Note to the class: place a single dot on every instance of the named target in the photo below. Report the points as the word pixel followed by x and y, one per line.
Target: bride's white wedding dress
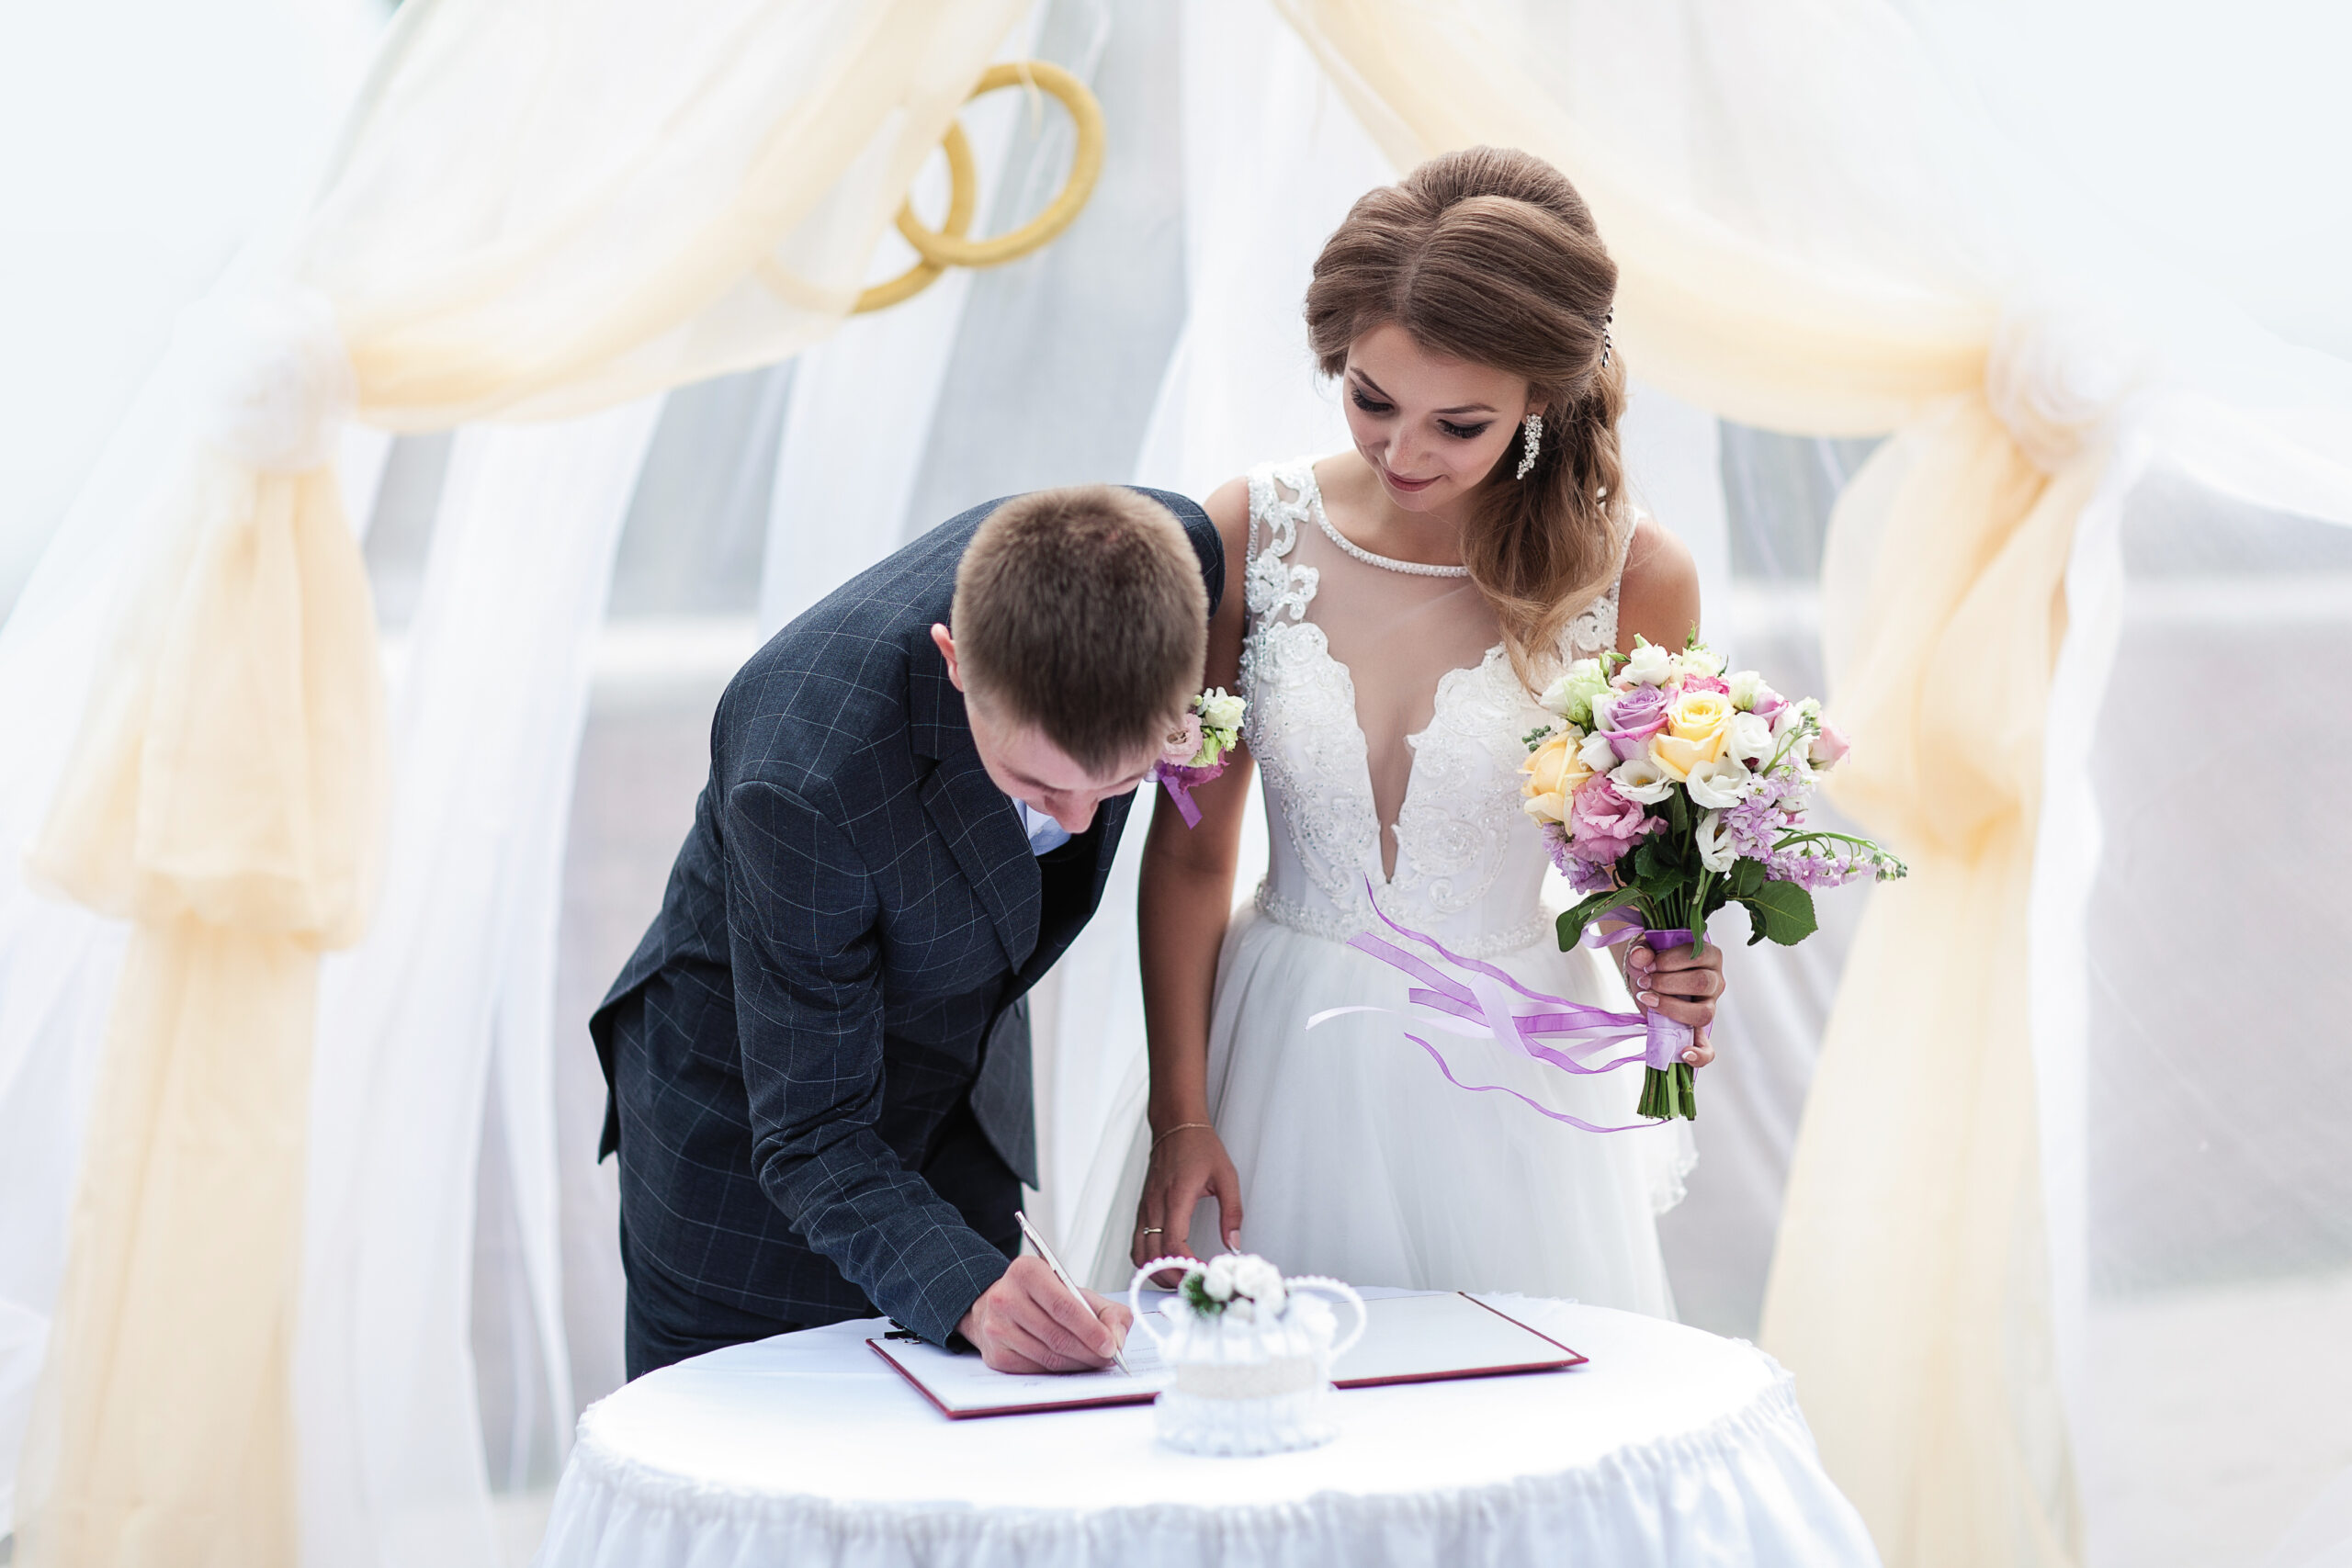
pixel 1386 716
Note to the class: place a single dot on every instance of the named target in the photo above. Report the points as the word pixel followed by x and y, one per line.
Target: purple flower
pixel 1588 878
pixel 1767 702
pixel 1584 875
pixel 1824 863
pixel 1753 825
pixel 1634 717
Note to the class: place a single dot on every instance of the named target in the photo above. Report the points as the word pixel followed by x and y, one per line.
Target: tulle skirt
pixel 1358 1159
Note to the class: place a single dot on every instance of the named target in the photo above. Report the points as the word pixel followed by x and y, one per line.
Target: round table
pixel 1669 1446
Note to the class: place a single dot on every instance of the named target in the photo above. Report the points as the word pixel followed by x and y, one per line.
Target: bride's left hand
pixel 1683 985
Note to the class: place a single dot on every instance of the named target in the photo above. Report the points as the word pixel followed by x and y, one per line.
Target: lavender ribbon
pixel 1474 999
pixel 1180 781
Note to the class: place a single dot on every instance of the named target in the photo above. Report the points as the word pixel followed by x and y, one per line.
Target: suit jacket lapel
pixel 970 812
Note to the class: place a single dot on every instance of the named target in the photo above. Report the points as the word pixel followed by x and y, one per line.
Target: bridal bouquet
pixel 1196 748
pixel 1667 790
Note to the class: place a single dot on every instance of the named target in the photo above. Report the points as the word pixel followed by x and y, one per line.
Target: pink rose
pixel 1767 702
pixel 1183 742
pixel 1634 717
pixel 1603 824
pixel 1830 746
pixel 1705 684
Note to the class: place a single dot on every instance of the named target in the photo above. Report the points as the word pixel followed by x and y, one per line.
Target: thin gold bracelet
pixel 1184 1127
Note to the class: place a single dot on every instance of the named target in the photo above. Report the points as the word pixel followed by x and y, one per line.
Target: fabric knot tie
pixel 274 384
pixel 2059 376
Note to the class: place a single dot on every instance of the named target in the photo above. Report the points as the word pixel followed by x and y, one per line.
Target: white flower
pixel 1239 1310
pixel 1720 783
pixel 1649 665
pixel 1751 737
pixel 1220 709
pixel 1700 661
pixel 1253 1276
pixel 1640 779
pixel 1596 753
pixel 1805 715
pixel 1603 703
pixel 1216 1282
pixel 1571 696
pixel 1744 684
pixel 1262 1282
pixel 1714 843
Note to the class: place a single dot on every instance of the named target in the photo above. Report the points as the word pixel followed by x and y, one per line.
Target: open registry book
pixel 1410 1336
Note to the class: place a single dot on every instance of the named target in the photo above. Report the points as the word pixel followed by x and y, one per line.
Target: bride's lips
pixel 1403 486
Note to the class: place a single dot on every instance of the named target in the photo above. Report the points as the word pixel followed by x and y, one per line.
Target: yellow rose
pixel 1554 772
pixel 1696 728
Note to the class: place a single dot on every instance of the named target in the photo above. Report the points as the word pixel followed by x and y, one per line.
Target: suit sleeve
pixel 808 975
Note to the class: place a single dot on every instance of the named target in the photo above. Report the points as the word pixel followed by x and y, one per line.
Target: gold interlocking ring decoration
pixel 950 244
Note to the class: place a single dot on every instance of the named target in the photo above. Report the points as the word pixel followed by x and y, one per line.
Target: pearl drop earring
pixel 1533 434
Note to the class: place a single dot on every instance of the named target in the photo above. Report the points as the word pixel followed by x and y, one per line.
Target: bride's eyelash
pixel 1372 405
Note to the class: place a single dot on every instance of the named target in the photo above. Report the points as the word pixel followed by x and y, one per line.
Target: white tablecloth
pixel 1670 1446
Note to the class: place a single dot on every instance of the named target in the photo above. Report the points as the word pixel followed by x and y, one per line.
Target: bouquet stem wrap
pixel 1668 1081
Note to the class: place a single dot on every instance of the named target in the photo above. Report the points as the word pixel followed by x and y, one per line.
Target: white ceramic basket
pixel 1256 1387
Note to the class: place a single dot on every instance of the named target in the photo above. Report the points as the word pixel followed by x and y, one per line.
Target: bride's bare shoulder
pixel 1658 598
pixel 1228 510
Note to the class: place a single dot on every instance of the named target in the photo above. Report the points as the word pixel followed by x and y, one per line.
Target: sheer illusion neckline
pixel 1389 837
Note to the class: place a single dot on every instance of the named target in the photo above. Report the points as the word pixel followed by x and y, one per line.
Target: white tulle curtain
pixel 455 985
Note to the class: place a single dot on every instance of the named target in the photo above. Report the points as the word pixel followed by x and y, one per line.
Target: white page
pixel 1412 1337
pixel 1407 1337
pixel 963 1383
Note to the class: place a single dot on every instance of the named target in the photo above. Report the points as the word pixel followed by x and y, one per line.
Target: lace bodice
pixel 1468 862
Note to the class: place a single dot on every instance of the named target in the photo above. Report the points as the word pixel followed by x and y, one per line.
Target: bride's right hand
pixel 1188 1163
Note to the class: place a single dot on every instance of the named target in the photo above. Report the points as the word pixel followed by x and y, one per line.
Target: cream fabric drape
pixel 1814 238
pixel 1718 314
pixel 537 209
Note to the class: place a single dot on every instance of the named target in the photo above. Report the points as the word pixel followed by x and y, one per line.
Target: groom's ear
pixel 941 640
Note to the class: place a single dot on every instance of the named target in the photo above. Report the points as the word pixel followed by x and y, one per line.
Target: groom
pixel 819 1055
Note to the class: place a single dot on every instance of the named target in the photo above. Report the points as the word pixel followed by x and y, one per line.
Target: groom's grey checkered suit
pixel 809 1126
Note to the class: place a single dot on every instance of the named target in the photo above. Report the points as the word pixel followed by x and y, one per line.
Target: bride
pixel 1402 601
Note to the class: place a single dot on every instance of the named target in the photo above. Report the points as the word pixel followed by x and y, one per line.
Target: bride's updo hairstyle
pixel 1489 255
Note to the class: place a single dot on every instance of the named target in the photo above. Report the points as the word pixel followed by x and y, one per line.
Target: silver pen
pixel 1063 1275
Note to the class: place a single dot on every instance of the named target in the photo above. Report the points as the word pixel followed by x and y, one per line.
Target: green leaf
pixel 1783 912
pixel 1746 876
pixel 1588 910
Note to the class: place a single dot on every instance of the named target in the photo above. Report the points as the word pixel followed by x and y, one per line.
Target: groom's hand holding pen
pixel 1030 1322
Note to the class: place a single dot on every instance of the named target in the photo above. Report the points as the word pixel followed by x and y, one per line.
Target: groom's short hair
pixel 1080 610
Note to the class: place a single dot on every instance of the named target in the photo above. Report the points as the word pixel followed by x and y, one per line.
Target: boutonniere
pixel 1197 748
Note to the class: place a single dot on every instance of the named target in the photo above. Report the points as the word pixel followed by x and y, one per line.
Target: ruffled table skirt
pixel 1670 1446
